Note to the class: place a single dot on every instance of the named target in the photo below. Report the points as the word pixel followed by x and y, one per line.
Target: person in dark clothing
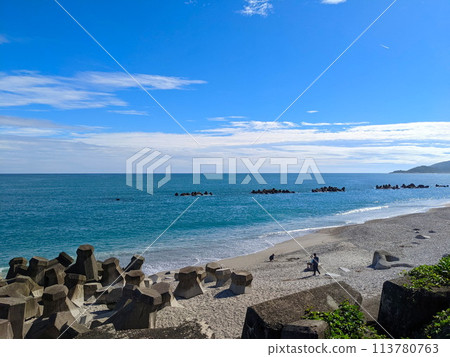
pixel 315 264
pixel 271 258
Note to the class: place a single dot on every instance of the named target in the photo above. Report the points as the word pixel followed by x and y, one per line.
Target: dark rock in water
pixel 397 187
pixel 328 189
pixel 270 192
pixel 404 310
pixel 267 319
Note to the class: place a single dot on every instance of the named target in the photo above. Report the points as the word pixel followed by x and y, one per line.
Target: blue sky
pixel 225 70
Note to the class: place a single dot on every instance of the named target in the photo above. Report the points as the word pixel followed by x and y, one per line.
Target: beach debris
pixel 270 192
pixel 241 282
pixel 13 310
pixel 190 282
pixel 138 311
pixel 16 266
pixel 211 269
pixel 85 264
pixel 112 272
pixel 421 236
pixel 267 319
pixel 55 299
pixel 431 231
pixel 223 277
pixel 345 270
pixel 135 277
pixel 136 263
pixel 75 284
pixel 6 331
pixel 328 189
pixel 309 329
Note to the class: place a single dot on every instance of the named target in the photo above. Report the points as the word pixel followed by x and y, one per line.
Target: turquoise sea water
pixel 45 214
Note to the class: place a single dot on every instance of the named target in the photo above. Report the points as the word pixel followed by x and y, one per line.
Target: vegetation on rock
pixel 430 276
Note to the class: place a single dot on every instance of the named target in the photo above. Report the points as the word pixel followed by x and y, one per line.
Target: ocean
pixel 42 215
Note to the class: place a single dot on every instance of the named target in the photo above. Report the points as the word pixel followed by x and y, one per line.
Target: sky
pixel 86 84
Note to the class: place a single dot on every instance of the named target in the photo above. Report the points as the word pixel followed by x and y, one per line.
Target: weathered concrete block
pixel 305 329
pixel 14 265
pixel 85 264
pixel 75 284
pixel 241 282
pixel 404 310
pixel 136 263
pixel 112 272
pixel 36 269
pixel 168 299
pixel 90 290
pixel 189 283
pixel 54 275
pixel 64 259
pixel 58 325
pixel 211 269
pixel 267 319
pixel 139 313
pixel 113 297
pixel 13 310
pixel 55 300
pixel 135 277
pixel 6 331
pixel 32 307
pixel 223 277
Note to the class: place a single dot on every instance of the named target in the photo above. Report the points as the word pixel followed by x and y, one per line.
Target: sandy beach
pixel 350 247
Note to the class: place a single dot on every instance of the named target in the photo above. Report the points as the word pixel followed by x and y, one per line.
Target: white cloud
pixel 257 7
pixel 333 2
pixel 129 112
pixel 32 146
pixel 3 39
pixel 226 118
pixel 334 124
pixel 84 90
pixel 312 111
pixel 384 46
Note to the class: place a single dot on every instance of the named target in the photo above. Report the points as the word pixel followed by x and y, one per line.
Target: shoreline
pixel 309 240
pixel 344 251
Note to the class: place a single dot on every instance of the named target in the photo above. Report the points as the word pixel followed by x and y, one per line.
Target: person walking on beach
pixel 272 257
pixel 315 264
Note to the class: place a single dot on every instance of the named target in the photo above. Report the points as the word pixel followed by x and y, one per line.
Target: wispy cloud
pixel 226 118
pixel 312 111
pixel 384 46
pixel 335 124
pixel 3 39
pixel 83 90
pixel 43 146
pixel 129 112
pixel 333 2
pixel 257 7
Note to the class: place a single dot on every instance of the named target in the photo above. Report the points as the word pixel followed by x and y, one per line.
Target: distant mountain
pixel 439 168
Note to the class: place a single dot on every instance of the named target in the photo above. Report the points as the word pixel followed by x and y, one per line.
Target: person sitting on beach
pixel 315 264
pixel 272 257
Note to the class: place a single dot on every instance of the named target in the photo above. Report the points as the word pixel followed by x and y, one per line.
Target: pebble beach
pixel 345 253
